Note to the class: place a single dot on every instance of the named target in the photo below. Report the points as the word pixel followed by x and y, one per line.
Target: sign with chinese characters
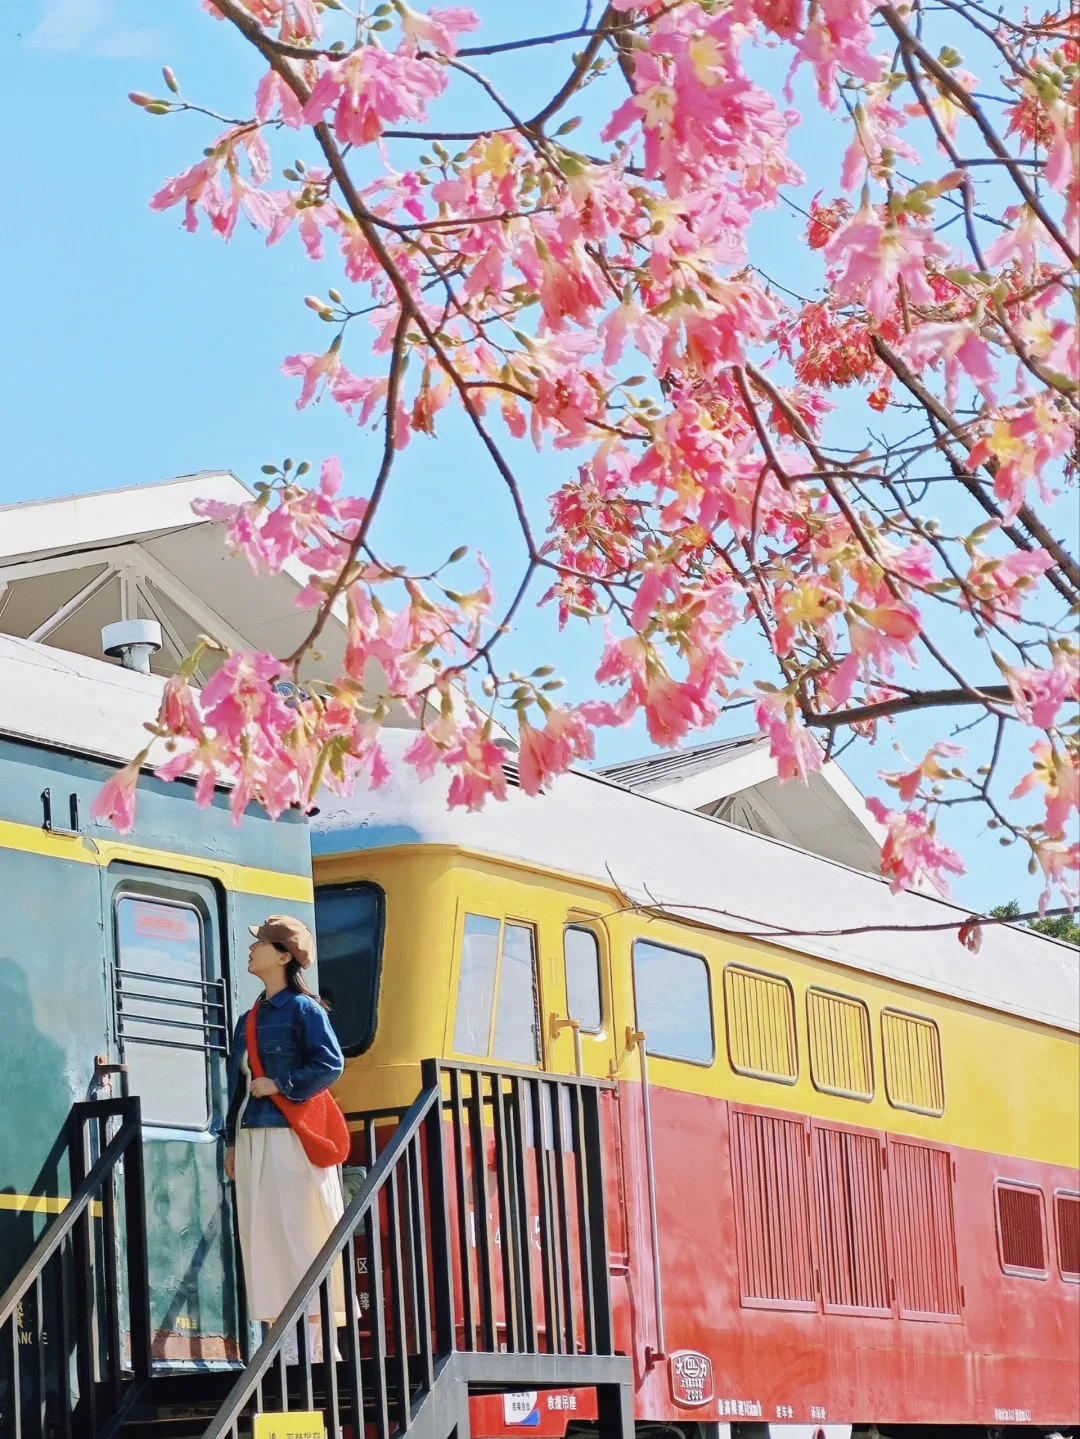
pixel 303 1424
pixel 520 1409
pixel 691 1378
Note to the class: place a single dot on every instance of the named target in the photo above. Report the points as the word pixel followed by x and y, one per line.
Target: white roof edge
pixel 68 701
pixel 74 523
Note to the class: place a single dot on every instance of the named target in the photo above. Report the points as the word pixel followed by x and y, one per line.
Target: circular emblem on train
pixel 691 1378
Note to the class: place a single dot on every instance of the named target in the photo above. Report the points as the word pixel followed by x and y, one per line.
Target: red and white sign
pixel 691 1378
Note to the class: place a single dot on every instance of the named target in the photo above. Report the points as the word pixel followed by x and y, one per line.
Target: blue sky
pixel 135 352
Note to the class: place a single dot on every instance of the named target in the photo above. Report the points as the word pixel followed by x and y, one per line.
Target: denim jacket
pixel 298 1050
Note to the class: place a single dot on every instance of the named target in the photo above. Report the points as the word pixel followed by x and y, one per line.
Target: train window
pixel 673 1002
pixel 840 1057
pixel 913 1073
pixel 163 1003
pixel 349 932
pixel 924 1232
pixel 516 1028
pixel 1020 1229
pixel 1067 1223
pixel 760 1013
pixel 851 1220
pixel 497 979
pixel 581 957
pixel 776 1267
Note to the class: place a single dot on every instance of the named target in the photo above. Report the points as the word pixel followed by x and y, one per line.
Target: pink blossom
pixel 960 349
pixel 179 712
pixel 1001 583
pixel 912 848
pixel 544 754
pixel 370 88
pixel 478 765
pixel 908 785
pixel 796 752
pixel 318 372
pixel 1056 769
pixel 438 29
pixel 273 92
pixel 876 257
pixel 115 801
pixel 1039 693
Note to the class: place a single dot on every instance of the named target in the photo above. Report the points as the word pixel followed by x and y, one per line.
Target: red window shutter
pixel 927 1285
pixel 1067 1218
pixel 851 1220
pixel 1020 1229
pixel 773 1211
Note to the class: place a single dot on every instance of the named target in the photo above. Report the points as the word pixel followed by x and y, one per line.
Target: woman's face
pixel 264 958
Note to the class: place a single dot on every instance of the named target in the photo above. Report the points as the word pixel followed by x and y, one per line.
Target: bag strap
pixel 253 1044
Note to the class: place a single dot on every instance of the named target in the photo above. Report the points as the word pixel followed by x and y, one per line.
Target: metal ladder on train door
pixel 468 1289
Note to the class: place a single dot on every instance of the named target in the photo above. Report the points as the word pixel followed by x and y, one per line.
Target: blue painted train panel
pixel 60 941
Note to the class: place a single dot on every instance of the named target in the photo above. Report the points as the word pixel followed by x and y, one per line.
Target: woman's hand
pixel 263 1086
pixel 230 1163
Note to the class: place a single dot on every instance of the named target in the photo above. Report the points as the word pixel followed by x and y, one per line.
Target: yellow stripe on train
pixel 82 849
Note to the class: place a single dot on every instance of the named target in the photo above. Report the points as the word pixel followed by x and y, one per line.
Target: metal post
pixel 639 1038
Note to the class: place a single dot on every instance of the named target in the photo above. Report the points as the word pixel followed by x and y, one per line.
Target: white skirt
pixel 286 1208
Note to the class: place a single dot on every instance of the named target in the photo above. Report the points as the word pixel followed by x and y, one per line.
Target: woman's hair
pixel 294 977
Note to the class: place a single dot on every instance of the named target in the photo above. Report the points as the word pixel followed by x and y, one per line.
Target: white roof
pixel 70 565
pixel 736 780
pixel 688 862
pixel 74 703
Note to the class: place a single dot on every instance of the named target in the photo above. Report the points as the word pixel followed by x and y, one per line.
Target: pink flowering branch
pixel 605 299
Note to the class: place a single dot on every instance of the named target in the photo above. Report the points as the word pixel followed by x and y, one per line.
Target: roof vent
pixel 132 642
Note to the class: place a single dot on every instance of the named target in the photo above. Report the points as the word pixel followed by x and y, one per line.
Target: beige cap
pixel 292 934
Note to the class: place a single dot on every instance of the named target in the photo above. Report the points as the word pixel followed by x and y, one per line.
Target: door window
pixel 581 957
pixel 497 1013
pixel 170 1017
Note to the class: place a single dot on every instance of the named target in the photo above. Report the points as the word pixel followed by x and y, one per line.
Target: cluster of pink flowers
pixel 537 275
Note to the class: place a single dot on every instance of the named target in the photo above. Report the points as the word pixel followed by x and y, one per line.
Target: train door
pixel 168 986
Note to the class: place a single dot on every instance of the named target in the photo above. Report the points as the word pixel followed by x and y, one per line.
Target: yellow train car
pixel 843 1169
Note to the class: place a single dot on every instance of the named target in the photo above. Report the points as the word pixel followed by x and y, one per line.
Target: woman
pixel 286 1207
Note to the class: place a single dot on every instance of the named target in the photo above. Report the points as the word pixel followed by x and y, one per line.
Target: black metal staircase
pixel 75 1321
pixel 473 1259
pixel 466 1288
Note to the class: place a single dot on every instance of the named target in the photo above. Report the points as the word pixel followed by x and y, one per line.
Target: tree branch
pixel 925 699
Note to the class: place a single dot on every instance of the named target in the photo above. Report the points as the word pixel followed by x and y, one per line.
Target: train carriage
pixel 842 1168
pixel 117 972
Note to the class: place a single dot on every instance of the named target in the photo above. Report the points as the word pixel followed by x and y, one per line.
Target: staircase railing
pixel 474 1252
pixel 399 1341
pixel 75 1321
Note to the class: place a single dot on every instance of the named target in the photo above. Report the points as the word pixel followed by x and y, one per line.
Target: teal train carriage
pixel 122 969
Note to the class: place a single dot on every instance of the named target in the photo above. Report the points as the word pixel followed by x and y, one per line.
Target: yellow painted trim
pixel 42 1204
pixel 81 849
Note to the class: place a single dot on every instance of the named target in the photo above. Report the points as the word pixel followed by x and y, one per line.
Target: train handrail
pixel 421 1208
pixel 293 1320
pixel 67 1258
pixel 639 1038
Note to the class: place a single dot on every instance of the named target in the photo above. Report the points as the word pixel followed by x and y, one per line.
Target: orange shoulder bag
pixel 317 1122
